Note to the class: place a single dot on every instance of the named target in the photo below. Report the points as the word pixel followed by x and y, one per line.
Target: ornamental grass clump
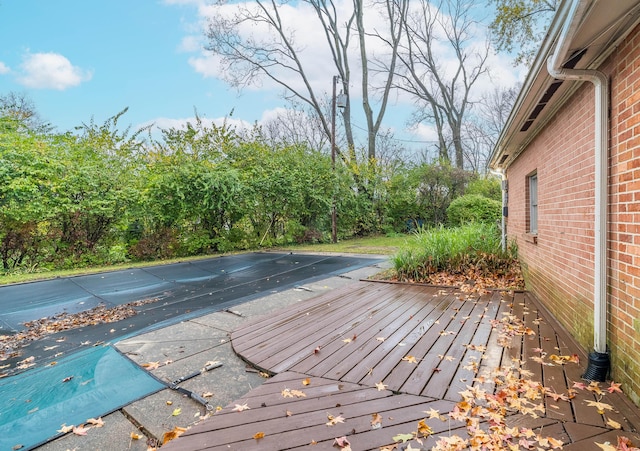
pixel 464 254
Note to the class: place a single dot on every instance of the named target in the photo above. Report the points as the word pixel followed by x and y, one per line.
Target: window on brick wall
pixel 532 195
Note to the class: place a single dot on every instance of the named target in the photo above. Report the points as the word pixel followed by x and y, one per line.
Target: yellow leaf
pixel 606 446
pixel 424 429
pixel 601 406
pixel 613 424
pixel 135 436
pixel 258 435
pixel 307 381
pixel 177 411
pixel 207 395
pixel 410 359
pixel 334 420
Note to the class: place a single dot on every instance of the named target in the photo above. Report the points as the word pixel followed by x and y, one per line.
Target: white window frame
pixel 532 181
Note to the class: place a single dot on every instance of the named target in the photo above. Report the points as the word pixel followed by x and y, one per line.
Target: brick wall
pixel 559 266
pixel 624 234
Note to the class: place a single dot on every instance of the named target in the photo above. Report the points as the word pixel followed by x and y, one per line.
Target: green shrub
pixel 473 208
pixel 487 187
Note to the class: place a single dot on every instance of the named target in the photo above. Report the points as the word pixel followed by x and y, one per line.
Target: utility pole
pixel 334 219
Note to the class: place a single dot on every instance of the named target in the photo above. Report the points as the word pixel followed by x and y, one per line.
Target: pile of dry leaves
pixel 11 345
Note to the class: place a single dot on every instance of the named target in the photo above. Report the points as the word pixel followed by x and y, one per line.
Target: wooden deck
pixel 370 361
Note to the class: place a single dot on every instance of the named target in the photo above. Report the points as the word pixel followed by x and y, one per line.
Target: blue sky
pixel 82 58
pixel 78 59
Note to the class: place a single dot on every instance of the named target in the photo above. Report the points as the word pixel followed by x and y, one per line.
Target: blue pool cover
pixel 35 404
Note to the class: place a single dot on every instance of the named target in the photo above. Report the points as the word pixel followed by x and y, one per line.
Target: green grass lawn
pixel 380 245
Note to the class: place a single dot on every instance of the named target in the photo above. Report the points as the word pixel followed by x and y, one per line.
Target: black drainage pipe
pixel 598 368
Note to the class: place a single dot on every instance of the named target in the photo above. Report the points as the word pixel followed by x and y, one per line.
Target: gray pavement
pixel 182 349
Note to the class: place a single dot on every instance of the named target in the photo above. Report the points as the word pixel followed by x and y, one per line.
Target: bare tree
pixel 272 53
pixel 295 125
pixel 483 129
pixel 20 107
pixel 442 86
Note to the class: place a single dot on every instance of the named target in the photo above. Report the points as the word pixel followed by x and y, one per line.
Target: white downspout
pixel 601 84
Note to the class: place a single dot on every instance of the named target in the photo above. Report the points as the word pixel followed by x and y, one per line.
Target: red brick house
pixel 570 155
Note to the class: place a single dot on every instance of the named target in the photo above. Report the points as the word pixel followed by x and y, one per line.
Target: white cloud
pixel 4 69
pixel 190 44
pixel 51 71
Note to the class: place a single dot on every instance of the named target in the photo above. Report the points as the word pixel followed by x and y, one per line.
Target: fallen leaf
pixel 173 434
pixel 64 428
pixel 342 443
pixel 258 435
pixel 177 411
pixel 334 420
pixel 288 413
pixel 97 422
pixel 402 437
pixel 135 436
pixel 380 386
pixel 241 407
pixel 613 424
pixel 80 430
pixel 601 406
pixel 380 338
pixel 67 379
pixel 376 421
pixel 434 414
pixel 306 381
pixel 207 395
pixel 606 446
pixel 151 365
pixel 410 359
pixel 347 340
pixel 289 393
pixel 595 388
pixel 424 429
pixel 558 396
pixel 614 387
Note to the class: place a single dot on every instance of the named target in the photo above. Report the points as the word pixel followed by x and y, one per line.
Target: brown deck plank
pixel 478 349
pixel 379 363
pixel 253 332
pixel 553 373
pixel 342 376
pixel 496 353
pixel 436 341
pixel 284 348
pixel 262 340
pixel 346 354
pixel 398 338
pixel 441 380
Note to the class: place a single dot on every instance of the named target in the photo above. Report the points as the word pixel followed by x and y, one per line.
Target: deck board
pixel 344 350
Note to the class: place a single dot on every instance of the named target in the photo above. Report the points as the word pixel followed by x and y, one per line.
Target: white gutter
pixel 601 83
